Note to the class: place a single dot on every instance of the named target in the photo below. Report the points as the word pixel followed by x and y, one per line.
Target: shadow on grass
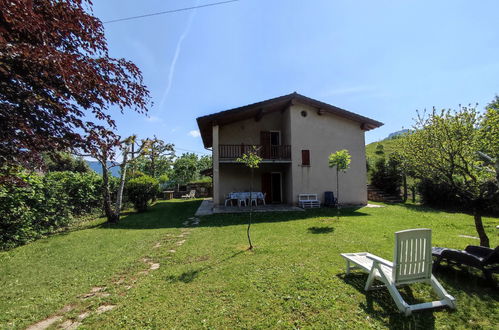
pixel 191 275
pixel 469 279
pixel 388 312
pixel 171 214
pixel 320 230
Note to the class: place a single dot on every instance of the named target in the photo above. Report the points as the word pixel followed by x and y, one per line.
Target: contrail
pixel 175 58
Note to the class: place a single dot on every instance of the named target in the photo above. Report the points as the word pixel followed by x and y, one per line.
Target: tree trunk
pixel 111 216
pixel 119 196
pixel 337 194
pixel 251 213
pixel 484 240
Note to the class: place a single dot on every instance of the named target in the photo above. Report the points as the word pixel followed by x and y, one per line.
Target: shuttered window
pixel 305 157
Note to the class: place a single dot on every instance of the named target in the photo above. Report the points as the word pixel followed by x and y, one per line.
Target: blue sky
pixel 381 59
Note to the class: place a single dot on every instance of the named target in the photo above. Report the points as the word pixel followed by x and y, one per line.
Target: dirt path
pixel 120 284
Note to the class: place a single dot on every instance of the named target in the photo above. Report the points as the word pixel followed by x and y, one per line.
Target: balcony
pixel 230 152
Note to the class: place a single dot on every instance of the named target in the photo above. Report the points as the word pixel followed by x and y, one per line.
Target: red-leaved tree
pixel 58 82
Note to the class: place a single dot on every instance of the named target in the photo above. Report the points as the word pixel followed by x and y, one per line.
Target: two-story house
pixel 294 135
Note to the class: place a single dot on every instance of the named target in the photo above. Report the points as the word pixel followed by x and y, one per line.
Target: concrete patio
pixel 206 208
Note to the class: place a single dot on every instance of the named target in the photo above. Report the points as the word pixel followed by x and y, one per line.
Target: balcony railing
pixel 233 151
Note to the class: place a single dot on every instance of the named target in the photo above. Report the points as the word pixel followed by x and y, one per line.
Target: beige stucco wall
pixel 236 177
pixel 323 135
pixel 216 165
pixel 248 131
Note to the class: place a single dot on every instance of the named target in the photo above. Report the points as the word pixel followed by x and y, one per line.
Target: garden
pixel 204 276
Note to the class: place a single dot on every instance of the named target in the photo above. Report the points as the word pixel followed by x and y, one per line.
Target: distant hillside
pixel 390 144
pixel 95 166
pixel 396 134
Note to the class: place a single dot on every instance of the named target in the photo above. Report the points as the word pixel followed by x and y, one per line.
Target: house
pixel 295 135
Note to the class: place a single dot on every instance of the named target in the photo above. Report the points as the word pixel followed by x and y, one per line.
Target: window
pixel 305 157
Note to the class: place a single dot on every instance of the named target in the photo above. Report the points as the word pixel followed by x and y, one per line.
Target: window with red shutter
pixel 305 157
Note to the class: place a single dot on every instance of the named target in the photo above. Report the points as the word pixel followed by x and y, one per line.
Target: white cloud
pixel 195 133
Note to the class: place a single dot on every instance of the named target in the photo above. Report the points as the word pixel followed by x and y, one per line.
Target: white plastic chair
pixel 228 199
pixel 240 201
pixel 412 263
pixel 254 199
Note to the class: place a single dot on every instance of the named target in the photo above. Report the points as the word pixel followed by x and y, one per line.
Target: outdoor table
pixel 246 195
pixel 168 194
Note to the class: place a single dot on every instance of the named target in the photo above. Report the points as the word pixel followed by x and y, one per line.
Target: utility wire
pixel 194 151
pixel 169 11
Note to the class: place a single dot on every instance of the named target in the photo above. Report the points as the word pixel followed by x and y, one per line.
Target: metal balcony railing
pixel 233 151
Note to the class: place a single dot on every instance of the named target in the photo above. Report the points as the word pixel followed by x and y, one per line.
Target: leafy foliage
pixel 141 190
pixel 187 167
pixel 489 129
pixel 251 160
pixel 44 203
pixel 444 149
pixel 387 175
pixel 62 161
pixel 57 76
pixel 82 190
pixel 157 157
pixel 340 159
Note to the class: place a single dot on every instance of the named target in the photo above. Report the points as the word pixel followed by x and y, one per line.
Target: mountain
pixel 95 166
pixel 397 133
pixel 390 144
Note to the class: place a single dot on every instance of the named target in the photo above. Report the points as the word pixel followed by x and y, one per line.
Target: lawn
pixel 207 279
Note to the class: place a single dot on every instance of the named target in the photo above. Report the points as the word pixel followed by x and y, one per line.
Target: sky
pixel 380 59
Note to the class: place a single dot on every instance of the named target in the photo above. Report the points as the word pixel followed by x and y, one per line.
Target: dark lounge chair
pixel 483 258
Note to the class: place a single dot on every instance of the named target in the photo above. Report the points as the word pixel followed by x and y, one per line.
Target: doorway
pixel 272 187
pixel 276 187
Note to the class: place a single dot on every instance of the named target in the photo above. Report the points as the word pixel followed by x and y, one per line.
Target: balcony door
pixel 270 141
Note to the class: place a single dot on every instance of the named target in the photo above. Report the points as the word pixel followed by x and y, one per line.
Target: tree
pixel 341 160
pixel 63 161
pixel 489 135
pixel 185 168
pixel 444 148
pixel 205 162
pixel 158 156
pixel 380 149
pixel 106 157
pixel 58 81
pixel 251 160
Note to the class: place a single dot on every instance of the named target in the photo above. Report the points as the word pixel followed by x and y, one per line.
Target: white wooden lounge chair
pixel 412 263
pixel 191 194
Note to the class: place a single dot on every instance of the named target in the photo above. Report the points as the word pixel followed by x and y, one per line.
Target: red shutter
pixel 305 157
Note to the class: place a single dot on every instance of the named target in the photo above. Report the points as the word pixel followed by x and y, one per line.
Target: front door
pixel 272 187
pixel 267 187
pixel 276 187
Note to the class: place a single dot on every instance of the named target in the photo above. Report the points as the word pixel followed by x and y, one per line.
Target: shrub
pixel 141 190
pixel 83 189
pixel 387 175
pixel 31 210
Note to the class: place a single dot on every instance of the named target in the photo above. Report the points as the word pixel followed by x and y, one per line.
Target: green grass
pixel 293 279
